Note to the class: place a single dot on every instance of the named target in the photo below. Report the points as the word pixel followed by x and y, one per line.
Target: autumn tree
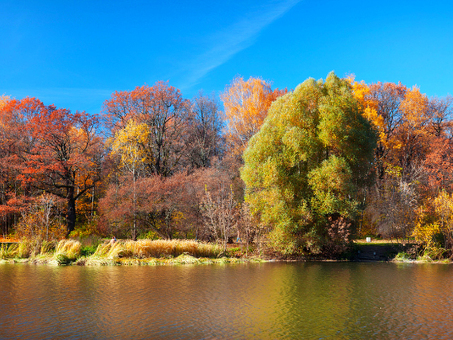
pixel 380 104
pixel 406 120
pixel 166 207
pixel 156 207
pixel 440 111
pixel 42 219
pixel 129 144
pixel 438 166
pixel 6 175
pixel 410 149
pixel 57 151
pixel 306 163
pixel 434 227
pixel 438 163
pixel 204 138
pixel 246 105
pixel 166 114
pixel 220 214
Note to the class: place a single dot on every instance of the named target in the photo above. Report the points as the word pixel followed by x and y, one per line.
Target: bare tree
pixel 205 141
pixel 220 214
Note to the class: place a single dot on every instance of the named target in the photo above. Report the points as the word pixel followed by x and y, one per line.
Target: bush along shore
pixel 120 252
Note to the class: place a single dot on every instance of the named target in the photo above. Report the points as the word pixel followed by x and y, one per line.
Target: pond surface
pixel 245 301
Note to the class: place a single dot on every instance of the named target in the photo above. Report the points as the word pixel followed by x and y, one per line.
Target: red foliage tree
pixel 167 206
pixel 53 150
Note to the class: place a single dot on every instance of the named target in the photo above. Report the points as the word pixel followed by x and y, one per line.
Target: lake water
pixel 244 301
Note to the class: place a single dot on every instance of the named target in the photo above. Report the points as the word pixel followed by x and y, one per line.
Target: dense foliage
pixel 306 164
pixel 327 161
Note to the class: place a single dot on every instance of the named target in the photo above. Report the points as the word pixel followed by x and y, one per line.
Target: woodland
pixel 300 172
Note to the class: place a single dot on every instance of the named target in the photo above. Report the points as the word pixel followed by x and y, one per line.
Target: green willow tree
pixel 305 165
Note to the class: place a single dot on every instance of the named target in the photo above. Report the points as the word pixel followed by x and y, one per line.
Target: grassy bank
pixel 96 252
pixel 123 252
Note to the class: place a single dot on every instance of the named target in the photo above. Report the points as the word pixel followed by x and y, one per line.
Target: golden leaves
pixel 246 104
pixel 129 144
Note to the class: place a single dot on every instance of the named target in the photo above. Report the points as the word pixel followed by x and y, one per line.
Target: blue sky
pixel 74 54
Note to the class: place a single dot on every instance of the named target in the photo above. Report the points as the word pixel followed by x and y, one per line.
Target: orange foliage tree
pixel 54 150
pixel 246 105
pixel 411 150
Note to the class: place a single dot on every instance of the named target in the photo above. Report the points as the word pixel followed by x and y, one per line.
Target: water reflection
pixel 254 301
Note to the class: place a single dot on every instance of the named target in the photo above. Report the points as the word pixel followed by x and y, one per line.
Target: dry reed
pixel 69 248
pixel 28 248
pixel 157 248
pixel 125 252
pixel 8 251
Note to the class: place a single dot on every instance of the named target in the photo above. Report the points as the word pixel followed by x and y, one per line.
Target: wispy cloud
pixel 234 39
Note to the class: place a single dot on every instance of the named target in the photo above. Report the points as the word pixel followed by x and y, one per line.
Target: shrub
pixel 338 236
pixel 433 253
pixel 63 259
pixel 434 228
pixel 402 256
pixel 87 250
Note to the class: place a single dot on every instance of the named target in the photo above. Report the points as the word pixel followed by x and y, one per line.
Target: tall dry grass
pixel 157 248
pixel 69 248
pixel 48 247
pixel 8 251
pixel 68 251
pixel 28 248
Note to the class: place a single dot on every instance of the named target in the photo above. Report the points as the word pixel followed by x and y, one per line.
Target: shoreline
pixel 191 260
pixel 180 252
pixel 150 261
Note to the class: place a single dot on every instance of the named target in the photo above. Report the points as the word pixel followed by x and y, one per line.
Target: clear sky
pixel 74 54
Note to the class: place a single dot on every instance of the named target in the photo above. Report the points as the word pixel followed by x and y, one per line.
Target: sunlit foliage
pixel 246 105
pixel 306 163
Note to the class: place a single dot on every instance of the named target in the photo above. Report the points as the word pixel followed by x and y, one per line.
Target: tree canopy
pixel 320 160
pixel 306 163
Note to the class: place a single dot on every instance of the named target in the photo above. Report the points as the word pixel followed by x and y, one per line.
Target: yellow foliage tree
pixel 369 107
pixel 401 116
pixel 246 104
pixel 434 228
pixel 128 144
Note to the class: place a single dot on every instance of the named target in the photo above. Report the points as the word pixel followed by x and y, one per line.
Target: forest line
pixel 306 170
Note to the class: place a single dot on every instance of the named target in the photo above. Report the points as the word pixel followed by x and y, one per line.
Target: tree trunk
pixel 134 231
pixel 71 216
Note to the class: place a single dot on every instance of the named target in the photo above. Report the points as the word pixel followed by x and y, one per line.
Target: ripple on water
pixel 262 301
